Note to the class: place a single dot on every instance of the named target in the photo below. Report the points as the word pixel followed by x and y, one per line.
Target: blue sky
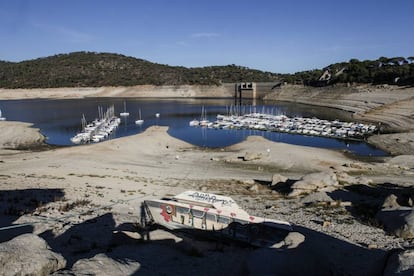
pixel 283 36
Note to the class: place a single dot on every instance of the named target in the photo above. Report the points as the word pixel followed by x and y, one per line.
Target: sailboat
pixel 1 117
pixel 140 121
pixel 83 136
pixel 125 113
pixel 203 120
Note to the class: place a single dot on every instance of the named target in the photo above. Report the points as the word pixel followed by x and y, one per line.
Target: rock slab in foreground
pixel 101 264
pixel 322 181
pixel 29 254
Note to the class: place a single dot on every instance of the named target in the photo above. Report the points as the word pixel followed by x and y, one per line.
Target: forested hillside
pixel 397 70
pixel 89 69
pixel 86 69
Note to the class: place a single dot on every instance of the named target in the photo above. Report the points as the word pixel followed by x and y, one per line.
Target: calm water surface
pixel 59 120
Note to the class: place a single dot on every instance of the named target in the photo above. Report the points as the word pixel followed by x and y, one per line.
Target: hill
pixel 90 69
pixel 87 69
pixel 396 70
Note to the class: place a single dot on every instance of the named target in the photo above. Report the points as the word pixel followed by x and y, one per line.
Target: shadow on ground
pixel 15 203
pixel 368 200
pixel 93 245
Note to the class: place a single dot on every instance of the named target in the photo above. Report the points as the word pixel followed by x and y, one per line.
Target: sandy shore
pixel 391 107
pixel 67 192
pixel 139 91
pixel 89 182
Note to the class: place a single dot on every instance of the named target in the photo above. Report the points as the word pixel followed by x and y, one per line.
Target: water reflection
pixel 59 120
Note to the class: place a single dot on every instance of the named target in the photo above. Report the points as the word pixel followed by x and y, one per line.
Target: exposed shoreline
pixel 389 106
pixel 120 173
pixel 91 194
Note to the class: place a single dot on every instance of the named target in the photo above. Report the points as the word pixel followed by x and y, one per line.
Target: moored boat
pixel 99 129
pixel 139 121
pixel 301 125
pixel 216 216
pixel 124 113
pixel 1 117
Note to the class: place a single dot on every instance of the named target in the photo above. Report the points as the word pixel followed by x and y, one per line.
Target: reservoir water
pixel 59 120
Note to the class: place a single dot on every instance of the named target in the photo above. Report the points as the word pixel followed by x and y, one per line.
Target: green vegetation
pixel 397 70
pixel 89 69
pixel 86 69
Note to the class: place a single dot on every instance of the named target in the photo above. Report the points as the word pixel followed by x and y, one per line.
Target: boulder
pixel 407 231
pixel 255 188
pixel 292 240
pixel 401 263
pixel 391 203
pixel 29 254
pixel 321 181
pixel 102 264
pixel 250 156
pixel 345 178
pixel 278 178
pixel 399 222
pixel 317 197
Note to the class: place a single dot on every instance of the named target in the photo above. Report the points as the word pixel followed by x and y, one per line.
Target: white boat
pixel 203 119
pixel 125 113
pixel 140 121
pixel 194 122
pixel 99 129
pixel 216 216
pixel 1 117
pixel 157 115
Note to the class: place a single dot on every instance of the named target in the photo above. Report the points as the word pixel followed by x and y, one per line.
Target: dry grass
pixel 72 205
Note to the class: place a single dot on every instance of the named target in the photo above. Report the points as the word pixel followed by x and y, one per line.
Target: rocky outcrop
pixel 345 178
pixel 315 182
pixel 278 178
pixel 29 254
pixel 315 198
pixel 101 264
pixel 250 156
pixel 397 220
pixel 400 263
pixel 390 203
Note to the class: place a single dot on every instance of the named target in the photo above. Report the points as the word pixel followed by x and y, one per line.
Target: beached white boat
pixel 215 216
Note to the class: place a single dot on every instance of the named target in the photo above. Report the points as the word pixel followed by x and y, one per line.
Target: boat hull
pixel 210 223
